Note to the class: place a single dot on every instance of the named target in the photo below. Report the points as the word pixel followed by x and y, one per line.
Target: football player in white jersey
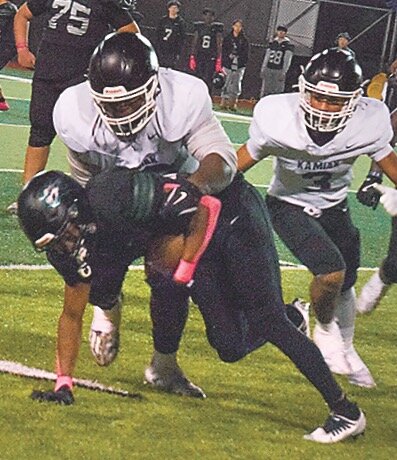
pixel 131 113
pixel 315 136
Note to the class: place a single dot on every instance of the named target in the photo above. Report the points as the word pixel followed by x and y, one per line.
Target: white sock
pixel 346 315
pixel 105 320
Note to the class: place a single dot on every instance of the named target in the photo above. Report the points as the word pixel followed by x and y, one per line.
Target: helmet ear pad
pixel 123 69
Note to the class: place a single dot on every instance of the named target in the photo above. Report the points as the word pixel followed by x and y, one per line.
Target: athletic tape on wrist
pixel 63 380
pixel 185 270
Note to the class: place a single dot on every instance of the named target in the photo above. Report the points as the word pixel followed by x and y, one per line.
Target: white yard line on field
pixel 17 79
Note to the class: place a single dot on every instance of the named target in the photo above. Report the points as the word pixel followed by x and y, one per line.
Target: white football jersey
pixel 304 172
pixel 183 122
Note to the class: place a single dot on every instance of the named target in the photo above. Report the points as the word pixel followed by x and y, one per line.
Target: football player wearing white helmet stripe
pixel 315 136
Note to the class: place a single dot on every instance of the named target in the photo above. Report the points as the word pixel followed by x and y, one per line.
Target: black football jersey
pixel 277 52
pixel 170 35
pixel 73 30
pixel 207 34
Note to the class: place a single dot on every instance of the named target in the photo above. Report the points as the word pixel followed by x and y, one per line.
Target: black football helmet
pixel 55 214
pixel 333 74
pixel 123 80
pixel 218 80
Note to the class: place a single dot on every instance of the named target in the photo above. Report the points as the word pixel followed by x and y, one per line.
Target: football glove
pixel 366 194
pixel 388 198
pixel 62 396
pixel 180 203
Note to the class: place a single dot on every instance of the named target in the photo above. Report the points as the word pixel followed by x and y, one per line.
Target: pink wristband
pixel 184 272
pixel 63 380
pixel 21 46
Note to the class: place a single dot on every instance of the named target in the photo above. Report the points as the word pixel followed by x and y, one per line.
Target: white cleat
pixel 104 334
pixel 371 294
pixel 337 428
pixel 330 342
pixel 360 375
pixel 172 381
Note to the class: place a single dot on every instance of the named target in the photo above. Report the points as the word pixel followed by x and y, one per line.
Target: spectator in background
pixel 342 42
pixel 62 61
pixel 7 42
pixel 170 36
pixel 206 54
pixel 276 63
pixel 235 49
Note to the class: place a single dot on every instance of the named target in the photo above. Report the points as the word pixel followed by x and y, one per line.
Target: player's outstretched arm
pixel 201 230
pixel 68 345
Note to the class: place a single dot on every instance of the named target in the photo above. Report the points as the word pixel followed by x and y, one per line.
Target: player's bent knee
pixel 231 356
pixel 229 350
pixel 331 282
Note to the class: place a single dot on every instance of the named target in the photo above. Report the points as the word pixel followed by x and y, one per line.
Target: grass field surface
pixel 258 408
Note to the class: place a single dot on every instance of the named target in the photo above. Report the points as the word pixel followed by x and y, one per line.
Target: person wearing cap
pixel 206 52
pixel 277 60
pixel 170 36
pixel 342 42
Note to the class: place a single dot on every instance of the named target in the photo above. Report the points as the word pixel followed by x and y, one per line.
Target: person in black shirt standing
pixel 7 43
pixel 206 55
pixel 170 36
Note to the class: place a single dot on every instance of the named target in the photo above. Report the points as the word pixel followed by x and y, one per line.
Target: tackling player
pixel 316 136
pixel 132 113
pixel 91 235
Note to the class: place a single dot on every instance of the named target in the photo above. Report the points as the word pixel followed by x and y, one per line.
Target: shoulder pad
pixel 218 26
